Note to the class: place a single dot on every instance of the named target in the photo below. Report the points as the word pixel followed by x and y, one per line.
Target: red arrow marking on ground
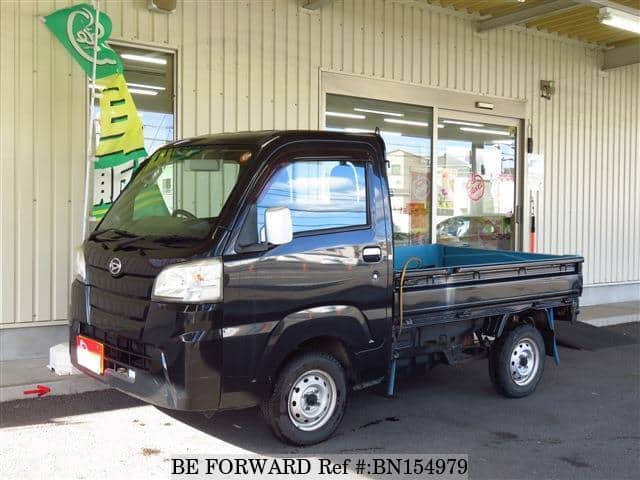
pixel 40 390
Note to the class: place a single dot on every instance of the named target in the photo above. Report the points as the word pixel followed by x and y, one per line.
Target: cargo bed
pixel 444 283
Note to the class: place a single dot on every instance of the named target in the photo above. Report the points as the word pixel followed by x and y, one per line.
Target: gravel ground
pixel 583 422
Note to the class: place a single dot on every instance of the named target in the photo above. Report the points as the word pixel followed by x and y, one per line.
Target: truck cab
pixel 250 269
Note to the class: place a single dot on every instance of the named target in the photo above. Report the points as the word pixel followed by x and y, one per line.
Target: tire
pixel 308 401
pixel 516 361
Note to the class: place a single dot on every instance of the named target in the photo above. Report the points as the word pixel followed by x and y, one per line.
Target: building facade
pixel 273 65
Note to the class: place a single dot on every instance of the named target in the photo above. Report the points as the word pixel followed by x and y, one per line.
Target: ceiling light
pixel 458 122
pixel 345 115
pixel 619 19
pixel 140 91
pixel 379 112
pixel 142 85
pixel 406 122
pixel 357 130
pixel 390 134
pixel 440 125
pixel 484 130
pixel 144 58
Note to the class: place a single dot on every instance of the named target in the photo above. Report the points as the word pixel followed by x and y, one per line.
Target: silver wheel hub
pixel 524 362
pixel 312 400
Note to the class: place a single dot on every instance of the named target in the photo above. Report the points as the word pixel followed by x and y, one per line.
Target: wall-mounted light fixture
pixel 619 19
pixel 547 88
pixel 484 105
pixel 162 6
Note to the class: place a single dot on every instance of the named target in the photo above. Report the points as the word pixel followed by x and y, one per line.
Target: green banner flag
pixel 121 142
pixel 75 27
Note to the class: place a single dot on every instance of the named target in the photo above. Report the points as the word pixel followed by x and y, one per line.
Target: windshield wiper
pixel 165 239
pixel 161 239
pixel 123 233
pixel 124 243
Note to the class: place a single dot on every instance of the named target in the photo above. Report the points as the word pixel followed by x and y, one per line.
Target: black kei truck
pixel 260 268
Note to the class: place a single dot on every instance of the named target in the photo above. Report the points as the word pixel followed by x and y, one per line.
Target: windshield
pixel 179 192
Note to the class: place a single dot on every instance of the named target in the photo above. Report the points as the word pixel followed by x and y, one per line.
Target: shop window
pixel 407 132
pixel 149 75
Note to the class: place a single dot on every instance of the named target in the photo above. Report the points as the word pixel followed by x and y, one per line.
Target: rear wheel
pixel 308 400
pixel 516 361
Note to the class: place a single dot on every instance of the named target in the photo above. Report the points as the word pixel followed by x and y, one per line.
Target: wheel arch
pixel 327 344
pixel 338 330
pixel 536 317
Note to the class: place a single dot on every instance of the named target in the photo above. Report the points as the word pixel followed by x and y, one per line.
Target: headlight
pixel 80 270
pixel 199 281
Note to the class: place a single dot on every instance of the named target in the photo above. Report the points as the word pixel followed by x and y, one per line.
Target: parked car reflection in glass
pixel 486 231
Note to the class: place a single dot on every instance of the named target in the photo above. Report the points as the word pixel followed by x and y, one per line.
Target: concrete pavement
pixel 16 376
pixel 583 422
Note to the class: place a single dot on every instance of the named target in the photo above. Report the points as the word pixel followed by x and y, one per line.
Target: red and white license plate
pixel 90 354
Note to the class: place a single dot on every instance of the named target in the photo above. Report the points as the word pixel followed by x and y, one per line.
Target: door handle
pixel 372 254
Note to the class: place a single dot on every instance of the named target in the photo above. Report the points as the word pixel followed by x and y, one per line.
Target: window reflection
pixel 476 178
pixel 151 87
pixel 476 161
pixel 407 131
pixel 320 194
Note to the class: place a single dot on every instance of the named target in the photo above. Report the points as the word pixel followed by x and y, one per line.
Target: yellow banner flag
pixel 120 125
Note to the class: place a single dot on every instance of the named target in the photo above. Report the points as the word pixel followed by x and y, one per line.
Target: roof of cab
pixel 259 139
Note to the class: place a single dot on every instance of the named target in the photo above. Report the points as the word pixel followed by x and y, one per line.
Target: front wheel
pixel 308 400
pixel 516 361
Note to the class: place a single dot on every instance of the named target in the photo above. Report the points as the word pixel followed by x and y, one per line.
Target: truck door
pixel 332 279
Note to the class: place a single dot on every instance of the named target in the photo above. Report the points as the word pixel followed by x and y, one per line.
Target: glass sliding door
pixel 407 132
pixel 468 195
pixel 476 176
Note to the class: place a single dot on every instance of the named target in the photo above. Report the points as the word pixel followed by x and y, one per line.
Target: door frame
pixel 453 102
pixel 518 215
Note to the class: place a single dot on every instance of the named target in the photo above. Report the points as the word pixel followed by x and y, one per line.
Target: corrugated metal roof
pixel 580 22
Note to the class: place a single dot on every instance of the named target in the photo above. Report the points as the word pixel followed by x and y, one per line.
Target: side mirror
pixel 277 224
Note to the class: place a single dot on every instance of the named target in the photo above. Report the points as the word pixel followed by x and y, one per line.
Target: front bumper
pixel 172 360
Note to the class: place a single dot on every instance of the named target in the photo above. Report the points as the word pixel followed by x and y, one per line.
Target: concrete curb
pixel 64 385
pixel 610 314
pixel 610 321
pixel 16 376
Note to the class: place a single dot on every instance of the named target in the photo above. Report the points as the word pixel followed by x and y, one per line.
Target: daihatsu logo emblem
pixel 115 266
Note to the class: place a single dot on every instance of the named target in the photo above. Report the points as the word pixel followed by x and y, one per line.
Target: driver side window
pixel 320 194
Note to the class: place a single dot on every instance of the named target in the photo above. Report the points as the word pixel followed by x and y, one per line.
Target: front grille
pixel 125 298
pixel 129 285
pixel 119 351
pixel 118 305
